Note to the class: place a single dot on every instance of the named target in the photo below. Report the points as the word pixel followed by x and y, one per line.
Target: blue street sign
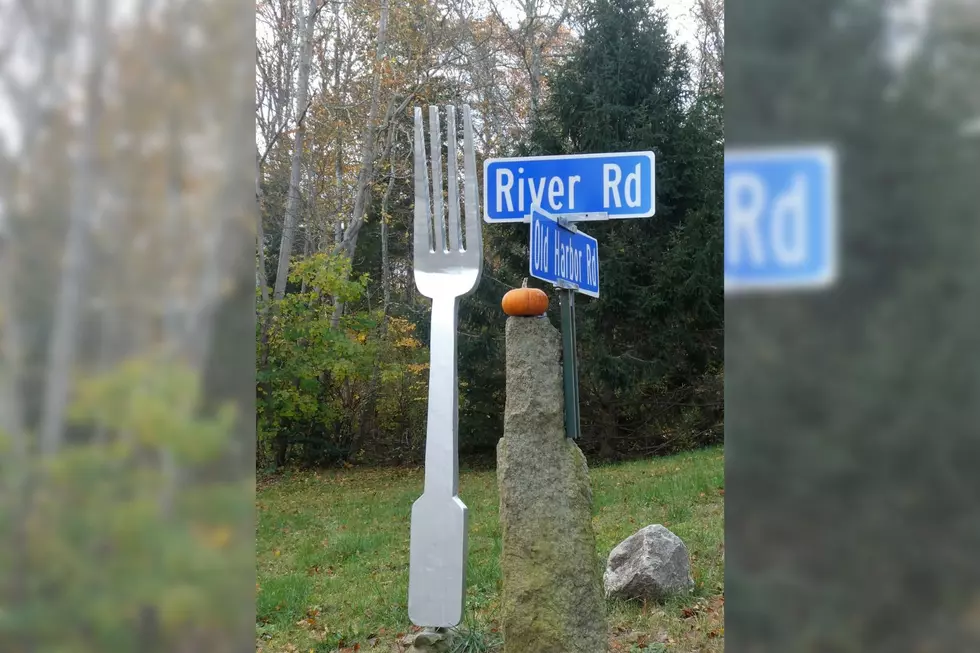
pixel 780 218
pixel 576 186
pixel 562 256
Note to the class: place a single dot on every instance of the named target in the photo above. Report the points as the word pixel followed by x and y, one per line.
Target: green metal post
pixel 569 363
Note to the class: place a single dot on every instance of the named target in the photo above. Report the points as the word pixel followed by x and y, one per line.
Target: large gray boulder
pixel 653 563
pixel 552 589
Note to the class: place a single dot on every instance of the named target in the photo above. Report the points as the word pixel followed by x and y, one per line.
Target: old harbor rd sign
pixel 563 255
pixel 576 187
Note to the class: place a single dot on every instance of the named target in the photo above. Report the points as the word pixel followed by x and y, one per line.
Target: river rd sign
pixel 565 257
pixel 577 187
pixel 780 218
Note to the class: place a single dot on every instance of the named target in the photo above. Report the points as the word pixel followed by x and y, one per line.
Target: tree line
pixel 341 330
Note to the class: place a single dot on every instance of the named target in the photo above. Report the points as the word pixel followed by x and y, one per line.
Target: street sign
pixel 563 256
pixel 577 186
pixel 780 218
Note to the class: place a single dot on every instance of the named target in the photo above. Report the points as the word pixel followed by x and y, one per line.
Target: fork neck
pixel 442 427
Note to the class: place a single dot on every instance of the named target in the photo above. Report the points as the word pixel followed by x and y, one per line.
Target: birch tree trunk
pixel 260 277
pixel 338 227
pixel 62 345
pixel 385 264
pixel 296 164
pixel 362 191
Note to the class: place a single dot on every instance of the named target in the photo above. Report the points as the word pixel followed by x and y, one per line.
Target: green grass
pixel 332 553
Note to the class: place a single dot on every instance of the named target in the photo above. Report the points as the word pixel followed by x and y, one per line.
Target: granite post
pixel 552 588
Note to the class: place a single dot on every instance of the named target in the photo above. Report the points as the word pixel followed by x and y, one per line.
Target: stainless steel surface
pixel 445 271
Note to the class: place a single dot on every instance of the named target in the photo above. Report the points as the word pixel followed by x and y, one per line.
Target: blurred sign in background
pixel 852 518
pixel 780 218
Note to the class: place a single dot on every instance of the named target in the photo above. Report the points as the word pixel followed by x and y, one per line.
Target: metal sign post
pixel 568 258
pixel 569 363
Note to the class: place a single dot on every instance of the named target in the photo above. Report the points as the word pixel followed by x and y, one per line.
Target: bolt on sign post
pixel 552 194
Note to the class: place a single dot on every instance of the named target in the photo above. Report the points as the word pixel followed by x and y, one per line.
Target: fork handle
pixel 442 426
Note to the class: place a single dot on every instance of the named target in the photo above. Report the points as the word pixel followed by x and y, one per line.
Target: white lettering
pixel 536 197
pixel 536 246
pixel 539 261
pixel 592 266
pixel 745 216
pixel 789 220
pixel 520 191
pixel 555 191
pixel 611 174
pixel 544 250
pixel 557 259
pixel 633 181
pixel 503 189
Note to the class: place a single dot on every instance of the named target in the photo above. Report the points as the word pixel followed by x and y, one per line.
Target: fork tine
pixel 474 230
pixel 423 225
pixel 435 143
pixel 452 179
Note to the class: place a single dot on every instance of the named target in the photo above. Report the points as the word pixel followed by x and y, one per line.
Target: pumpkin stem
pixel 524 284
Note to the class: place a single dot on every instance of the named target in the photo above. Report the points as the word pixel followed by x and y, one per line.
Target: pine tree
pixel 653 340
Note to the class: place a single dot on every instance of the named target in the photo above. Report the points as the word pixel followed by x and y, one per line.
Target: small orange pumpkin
pixel 525 302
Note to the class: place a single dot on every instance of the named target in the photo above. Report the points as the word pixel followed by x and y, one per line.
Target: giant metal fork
pixel 446 269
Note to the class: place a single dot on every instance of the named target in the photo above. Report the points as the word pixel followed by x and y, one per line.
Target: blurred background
pixel 126 339
pixel 852 520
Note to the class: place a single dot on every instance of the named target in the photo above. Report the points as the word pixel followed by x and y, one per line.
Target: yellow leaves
pixel 408 343
pixel 400 326
pixel 417 368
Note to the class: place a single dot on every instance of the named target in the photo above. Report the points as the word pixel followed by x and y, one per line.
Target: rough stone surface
pixel 429 641
pixel 653 563
pixel 552 590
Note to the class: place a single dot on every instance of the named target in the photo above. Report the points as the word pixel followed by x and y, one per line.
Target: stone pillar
pixel 552 590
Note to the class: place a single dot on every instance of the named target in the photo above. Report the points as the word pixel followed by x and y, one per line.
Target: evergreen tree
pixel 652 342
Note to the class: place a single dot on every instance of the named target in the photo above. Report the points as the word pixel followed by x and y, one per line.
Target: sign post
pixel 568 258
pixel 573 423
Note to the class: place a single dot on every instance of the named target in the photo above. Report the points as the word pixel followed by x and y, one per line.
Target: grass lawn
pixel 332 555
